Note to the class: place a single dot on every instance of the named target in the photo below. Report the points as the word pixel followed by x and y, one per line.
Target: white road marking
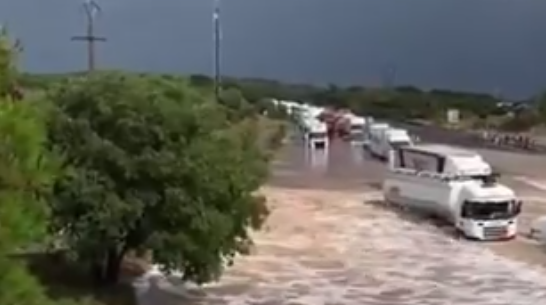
pixel 538 184
pixel 533 199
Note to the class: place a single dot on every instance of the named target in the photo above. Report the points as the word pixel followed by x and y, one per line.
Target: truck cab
pixel 455 185
pixel 357 125
pixel 488 210
pixel 316 134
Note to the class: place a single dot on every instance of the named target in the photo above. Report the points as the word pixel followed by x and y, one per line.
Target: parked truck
pixel 316 134
pixel 372 130
pixel 357 127
pixel 382 140
pixel 337 122
pixel 456 185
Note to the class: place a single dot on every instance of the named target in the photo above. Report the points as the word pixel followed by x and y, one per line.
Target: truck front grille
pixel 494 232
pixel 320 145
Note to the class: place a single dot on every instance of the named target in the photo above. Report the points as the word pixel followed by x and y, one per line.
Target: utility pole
pixel 91 9
pixel 390 76
pixel 217 39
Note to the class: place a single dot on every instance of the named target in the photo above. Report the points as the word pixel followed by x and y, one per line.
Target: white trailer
pixel 386 139
pixel 456 185
pixel 372 132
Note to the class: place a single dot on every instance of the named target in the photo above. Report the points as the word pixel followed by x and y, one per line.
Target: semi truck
pixel 316 134
pixel 337 122
pixel 383 140
pixel 372 130
pixel 455 185
pixel 357 124
pixel 357 127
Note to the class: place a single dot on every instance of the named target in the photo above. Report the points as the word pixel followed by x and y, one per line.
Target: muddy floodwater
pixel 326 243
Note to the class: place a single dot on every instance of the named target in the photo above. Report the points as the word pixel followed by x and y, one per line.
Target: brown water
pixel 332 246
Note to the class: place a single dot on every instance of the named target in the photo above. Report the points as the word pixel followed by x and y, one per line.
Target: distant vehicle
pixel 456 185
pixel 385 139
pixel 337 122
pixel 316 134
pixel 372 131
pixel 357 124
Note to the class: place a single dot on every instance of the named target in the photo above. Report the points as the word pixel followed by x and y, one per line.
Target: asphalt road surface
pixel 464 139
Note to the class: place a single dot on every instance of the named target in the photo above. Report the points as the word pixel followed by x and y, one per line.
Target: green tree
pixel 540 106
pixel 154 167
pixel 9 53
pixel 26 174
pixel 237 107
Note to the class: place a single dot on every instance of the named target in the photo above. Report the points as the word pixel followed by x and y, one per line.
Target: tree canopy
pixel 155 166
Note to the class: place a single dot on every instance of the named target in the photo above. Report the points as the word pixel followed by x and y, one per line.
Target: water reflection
pixel 357 153
pixel 349 155
pixel 343 165
pixel 317 159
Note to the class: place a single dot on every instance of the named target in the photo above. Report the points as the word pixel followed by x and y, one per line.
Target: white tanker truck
pixel 456 185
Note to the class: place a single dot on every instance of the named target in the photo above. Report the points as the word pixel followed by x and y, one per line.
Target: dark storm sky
pixel 486 45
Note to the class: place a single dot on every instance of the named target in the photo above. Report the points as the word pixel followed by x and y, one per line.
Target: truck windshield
pixel 317 135
pixel 484 210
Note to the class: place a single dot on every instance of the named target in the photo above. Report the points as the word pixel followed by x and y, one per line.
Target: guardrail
pixel 512 140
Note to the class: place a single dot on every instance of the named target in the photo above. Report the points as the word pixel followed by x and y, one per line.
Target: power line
pixel 389 76
pixel 217 39
pixel 92 9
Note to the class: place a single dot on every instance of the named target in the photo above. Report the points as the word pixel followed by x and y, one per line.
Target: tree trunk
pixel 112 266
pixel 106 268
pixel 96 270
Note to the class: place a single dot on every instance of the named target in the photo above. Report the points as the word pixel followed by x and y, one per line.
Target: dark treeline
pixel 399 103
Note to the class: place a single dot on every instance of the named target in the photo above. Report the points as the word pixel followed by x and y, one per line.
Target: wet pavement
pixel 326 242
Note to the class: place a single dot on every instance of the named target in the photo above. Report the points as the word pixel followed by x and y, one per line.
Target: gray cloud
pixel 476 45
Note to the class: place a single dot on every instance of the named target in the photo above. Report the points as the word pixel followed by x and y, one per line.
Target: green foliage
pixel 521 122
pixel 236 105
pixel 26 174
pixel 153 165
pixel 9 52
pixel 540 104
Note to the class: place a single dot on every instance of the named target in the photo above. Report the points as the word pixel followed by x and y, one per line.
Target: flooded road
pixel 343 166
pixel 327 243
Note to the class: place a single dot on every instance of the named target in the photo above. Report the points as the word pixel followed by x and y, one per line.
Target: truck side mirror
pixel 517 207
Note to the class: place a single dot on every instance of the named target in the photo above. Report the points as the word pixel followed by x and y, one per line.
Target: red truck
pixel 339 125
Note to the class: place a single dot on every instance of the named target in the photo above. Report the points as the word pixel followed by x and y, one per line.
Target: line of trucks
pixel 453 184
